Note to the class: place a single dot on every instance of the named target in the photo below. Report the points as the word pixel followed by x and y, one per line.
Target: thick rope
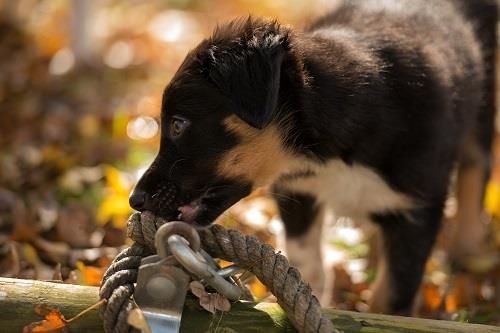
pixel 271 268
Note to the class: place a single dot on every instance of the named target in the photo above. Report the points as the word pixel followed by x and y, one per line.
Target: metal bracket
pixel 160 293
pixel 163 279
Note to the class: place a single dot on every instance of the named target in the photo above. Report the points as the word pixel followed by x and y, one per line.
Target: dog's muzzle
pixel 163 200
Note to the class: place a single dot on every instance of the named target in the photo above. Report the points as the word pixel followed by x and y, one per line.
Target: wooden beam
pixel 18 299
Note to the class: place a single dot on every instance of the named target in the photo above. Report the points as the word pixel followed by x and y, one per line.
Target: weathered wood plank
pixel 18 299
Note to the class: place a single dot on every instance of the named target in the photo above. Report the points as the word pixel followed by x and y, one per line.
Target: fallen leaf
pixel 74 226
pixel 74 277
pixel 259 290
pixel 221 302
pixel 10 263
pixel 213 301
pixel 136 319
pixel 54 321
pixel 30 254
pixel 460 294
pixel 56 251
pixel 92 276
pixel 115 206
pixel 492 198
pixel 197 288
pixel 57 276
pixel 24 232
pixel 432 297
pixel 209 301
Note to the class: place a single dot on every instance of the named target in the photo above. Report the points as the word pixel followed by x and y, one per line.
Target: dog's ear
pixel 249 75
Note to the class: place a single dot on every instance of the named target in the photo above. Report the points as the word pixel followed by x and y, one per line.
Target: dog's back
pixel 458 38
pixel 409 79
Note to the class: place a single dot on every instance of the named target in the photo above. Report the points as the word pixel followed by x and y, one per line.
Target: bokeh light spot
pixel 119 55
pixel 62 62
pixel 142 128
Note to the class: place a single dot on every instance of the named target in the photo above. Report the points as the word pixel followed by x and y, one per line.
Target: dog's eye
pixel 178 126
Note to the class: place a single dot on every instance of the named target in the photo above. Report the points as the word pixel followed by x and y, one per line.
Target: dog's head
pixel 221 132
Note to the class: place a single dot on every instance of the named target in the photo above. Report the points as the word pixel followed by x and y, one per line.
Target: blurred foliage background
pixel 80 93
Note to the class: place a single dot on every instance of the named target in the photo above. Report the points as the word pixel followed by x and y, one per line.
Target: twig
pixel 102 301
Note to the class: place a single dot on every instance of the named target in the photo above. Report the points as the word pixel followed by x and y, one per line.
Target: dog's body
pixel 366 113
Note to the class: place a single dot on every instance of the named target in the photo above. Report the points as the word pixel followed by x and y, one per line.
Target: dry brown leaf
pixel 24 232
pixel 209 301
pixel 10 263
pixel 57 275
pixel 54 321
pixel 221 303
pixel 213 301
pixel 74 226
pixel 197 288
pixel 74 277
pixel 136 319
pixel 56 251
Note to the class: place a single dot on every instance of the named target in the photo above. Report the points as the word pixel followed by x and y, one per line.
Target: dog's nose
pixel 137 200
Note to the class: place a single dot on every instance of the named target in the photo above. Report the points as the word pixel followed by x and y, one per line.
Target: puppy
pixel 366 112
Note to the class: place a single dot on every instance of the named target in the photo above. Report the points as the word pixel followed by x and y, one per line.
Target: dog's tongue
pixel 189 212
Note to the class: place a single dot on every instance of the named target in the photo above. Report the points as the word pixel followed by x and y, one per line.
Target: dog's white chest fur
pixel 354 191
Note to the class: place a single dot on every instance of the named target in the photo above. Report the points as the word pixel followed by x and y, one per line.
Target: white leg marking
pixel 305 253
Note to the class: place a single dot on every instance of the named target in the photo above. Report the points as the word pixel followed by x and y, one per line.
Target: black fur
pixel 401 90
pixel 298 210
pixel 247 68
pixel 407 240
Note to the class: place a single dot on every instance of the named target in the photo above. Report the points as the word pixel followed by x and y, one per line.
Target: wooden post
pixel 18 299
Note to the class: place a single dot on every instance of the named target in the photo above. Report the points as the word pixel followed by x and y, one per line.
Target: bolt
pixel 161 287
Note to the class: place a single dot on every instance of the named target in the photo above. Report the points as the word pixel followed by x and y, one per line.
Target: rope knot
pixel 271 268
pixel 142 227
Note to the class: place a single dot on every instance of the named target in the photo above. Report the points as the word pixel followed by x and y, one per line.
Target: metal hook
pixel 192 262
pixel 175 235
pixel 176 228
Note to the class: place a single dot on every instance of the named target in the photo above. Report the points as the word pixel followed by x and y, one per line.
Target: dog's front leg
pixel 302 216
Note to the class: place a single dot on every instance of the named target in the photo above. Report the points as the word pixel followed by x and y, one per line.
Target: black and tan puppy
pixel 366 112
